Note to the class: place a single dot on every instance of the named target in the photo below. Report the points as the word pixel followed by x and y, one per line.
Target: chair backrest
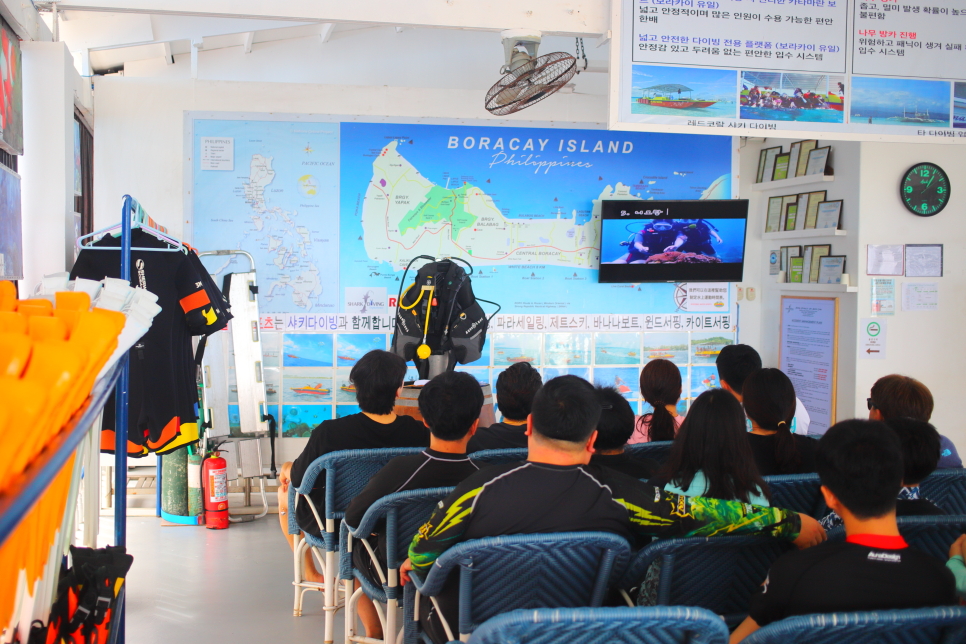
pixel 716 573
pixel 347 472
pixel 798 492
pixel 944 625
pixel 658 450
pixel 499 456
pixel 930 534
pixel 663 625
pixel 557 570
pixel 947 489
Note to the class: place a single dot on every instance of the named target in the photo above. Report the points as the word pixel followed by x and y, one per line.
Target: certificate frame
pixel 780 170
pixel 818 161
pixel 806 146
pixel 794 153
pixel 790 216
pixel 818 251
pixel 813 199
pixel 834 268
pixel 787 305
pixel 785 252
pixel 796 269
pixel 773 216
pixel 768 169
pixel 829 214
pixel 761 164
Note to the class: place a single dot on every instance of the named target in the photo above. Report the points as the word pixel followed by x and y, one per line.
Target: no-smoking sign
pixel 872 345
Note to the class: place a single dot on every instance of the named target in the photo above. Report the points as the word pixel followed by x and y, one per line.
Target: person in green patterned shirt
pixel 557 490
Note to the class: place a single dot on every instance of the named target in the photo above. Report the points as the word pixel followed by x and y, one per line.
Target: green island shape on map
pixel 441 204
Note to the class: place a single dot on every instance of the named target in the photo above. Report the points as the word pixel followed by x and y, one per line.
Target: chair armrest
pixel 293 525
pixel 345 557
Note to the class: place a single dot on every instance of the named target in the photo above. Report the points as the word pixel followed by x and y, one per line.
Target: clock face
pixel 925 189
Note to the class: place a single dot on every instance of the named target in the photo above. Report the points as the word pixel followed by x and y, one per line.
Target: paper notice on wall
pixel 883 296
pixel 705 297
pixel 920 296
pixel 773 263
pixel 872 342
pixel 884 260
pixel 217 153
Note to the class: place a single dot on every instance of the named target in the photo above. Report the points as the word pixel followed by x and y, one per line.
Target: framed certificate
pixel 818 160
pixel 768 169
pixel 924 260
pixel 786 252
pixel 810 220
pixel 795 267
pixel 794 152
pixel 781 167
pixel 806 148
pixel 762 156
pixel 773 219
pixel 818 252
pixel 831 269
pixel 829 213
pixel 791 214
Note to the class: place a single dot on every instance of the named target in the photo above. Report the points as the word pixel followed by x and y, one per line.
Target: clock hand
pixel 930 181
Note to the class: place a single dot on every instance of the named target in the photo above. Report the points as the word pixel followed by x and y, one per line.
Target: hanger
pixel 139 219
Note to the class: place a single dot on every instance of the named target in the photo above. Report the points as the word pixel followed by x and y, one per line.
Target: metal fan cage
pixel 530 83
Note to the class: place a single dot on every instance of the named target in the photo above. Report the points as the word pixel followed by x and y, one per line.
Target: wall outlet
pixel 740 293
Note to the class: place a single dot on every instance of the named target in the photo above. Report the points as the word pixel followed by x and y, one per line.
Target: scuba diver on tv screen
pixel 694 236
pixel 650 240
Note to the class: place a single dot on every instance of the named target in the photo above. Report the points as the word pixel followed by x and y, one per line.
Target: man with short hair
pixel 557 490
pixel 614 428
pixel 450 406
pixel 378 378
pixel 896 396
pixel 515 389
pixel 735 362
pixel 860 465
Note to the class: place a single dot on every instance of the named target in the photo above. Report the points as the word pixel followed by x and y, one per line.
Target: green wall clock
pixel 924 189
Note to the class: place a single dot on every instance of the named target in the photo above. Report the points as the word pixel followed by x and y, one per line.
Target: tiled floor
pixel 189 584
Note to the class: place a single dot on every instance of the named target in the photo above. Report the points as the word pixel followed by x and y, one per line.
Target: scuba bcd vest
pixel 440 308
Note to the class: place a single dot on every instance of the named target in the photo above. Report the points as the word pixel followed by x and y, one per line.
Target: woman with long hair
pixel 711 456
pixel 769 399
pixel 661 388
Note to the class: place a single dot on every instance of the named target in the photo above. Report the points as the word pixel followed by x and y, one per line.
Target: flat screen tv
pixel 699 240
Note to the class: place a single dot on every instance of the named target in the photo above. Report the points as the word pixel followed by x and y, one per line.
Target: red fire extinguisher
pixel 214 474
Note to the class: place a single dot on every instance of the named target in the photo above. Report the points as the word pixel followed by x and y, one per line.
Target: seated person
pixel 919 442
pixel 557 490
pixel 860 466
pixel 898 396
pixel 711 456
pixel 378 378
pixel 450 405
pixel 615 426
pixel 661 389
pixel 769 401
pixel 735 362
pixel 515 388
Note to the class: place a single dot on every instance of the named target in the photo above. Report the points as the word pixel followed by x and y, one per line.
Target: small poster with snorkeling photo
pixel 683 91
pixel 780 96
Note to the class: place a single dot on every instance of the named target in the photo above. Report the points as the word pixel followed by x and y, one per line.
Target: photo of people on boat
pixel 779 96
pixel 899 101
pixel 683 91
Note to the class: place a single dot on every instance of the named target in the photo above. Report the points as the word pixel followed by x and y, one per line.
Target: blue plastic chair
pixel 346 474
pixel 658 450
pixel 719 574
pixel 947 489
pixel 500 574
pixel 663 625
pixel 499 456
pixel 403 513
pixel 930 534
pixel 798 492
pixel 946 625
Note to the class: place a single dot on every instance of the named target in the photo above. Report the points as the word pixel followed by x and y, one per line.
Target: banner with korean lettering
pixel 844 69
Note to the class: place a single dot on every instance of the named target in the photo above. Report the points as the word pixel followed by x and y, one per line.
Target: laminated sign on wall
pixel 873 344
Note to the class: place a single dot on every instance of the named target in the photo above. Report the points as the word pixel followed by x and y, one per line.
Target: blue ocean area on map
pixel 325 206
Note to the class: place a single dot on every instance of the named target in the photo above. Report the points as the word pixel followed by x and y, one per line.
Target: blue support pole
pixel 121 414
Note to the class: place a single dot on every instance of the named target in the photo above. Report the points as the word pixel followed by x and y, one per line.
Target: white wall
pixel 51 87
pixel 924 345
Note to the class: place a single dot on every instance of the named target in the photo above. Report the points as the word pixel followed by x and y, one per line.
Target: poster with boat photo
pixel 675 92
pixel 899 102
pixel 781 96
pixel 959 105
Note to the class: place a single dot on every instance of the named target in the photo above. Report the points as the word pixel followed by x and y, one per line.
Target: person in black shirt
pixel 769 399
pixel 515 388
pixel 450 405
pixel 920 455
pixel 378 378
pixel 557 490
pixel 860 466
pixel 614 428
